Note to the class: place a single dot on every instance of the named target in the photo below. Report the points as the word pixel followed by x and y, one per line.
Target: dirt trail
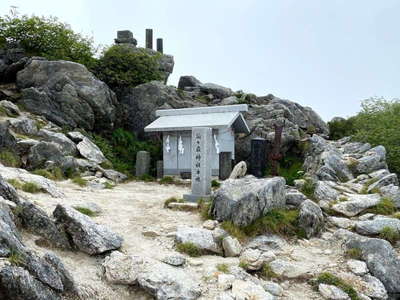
pixel 133 208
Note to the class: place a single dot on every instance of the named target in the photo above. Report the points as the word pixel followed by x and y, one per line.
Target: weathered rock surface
pixel 332 292
pixel 382 260
pixel 374 160
pixel 247 290
pixel 356 204
pixel 67 94
pixel 376 290
pixel 239 170
pixel 254 259
pixel 231 246
pixel 114 175
pixel 311 219
pixel 393 192
pixel 202 238
pixel 86 235
pixel 90 151
pixel 384 181
pixel 244 200
pixel 294 197
pixel 325 191
pixel 43 152
pixel 188 81
pixel 375 226
pixel 66 146
pixel 122 269
pixel 358 267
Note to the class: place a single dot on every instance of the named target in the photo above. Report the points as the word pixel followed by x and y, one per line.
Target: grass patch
pixel 371 181
pixel 106 165
pixel 215 183
pixel 328 278
pixel 15 183
pixel 224 268
pixel 44 173
pixel 396 215
pixel 31 187
pixel 390 234
pixel 204 209
pixel 385 207
pixel 146 178
pixel 167 180
pixel 234 230
pixel 172 200
pixel 267 273
pixel 353 253
pixel 79 181
pixel 109 186
pixel 16 258
pixel 189 249
pixel 308 189
pixel 244 265
pixel 10 159
pixel 85 211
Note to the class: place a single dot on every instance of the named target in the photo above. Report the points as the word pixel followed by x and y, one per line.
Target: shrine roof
pixel 216 117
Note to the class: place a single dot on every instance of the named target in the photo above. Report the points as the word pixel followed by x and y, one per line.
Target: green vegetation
pixel 290 167
pixel 396 215
pixel 390 234
pixel 328 278
pixel 167 180
pixel 215 183
pixel 16 258
pixel 267 273
pixel 122 67
pixel 353 253
pixel 109 186
pixel 189 249
pixel 85 211
pixel 54 174
pixel 10 159
pixel 48 37
pixel 377 124
pixel 146 178
pixel 243 264
pixel 308 188
pixel 204 209
pixel 31 187
pixel 79 181
pixel 367 185
pixel 15 183
pixel 277 221
pixel 224 268
pixel 385 207
pixel 172 200
pixel 121 147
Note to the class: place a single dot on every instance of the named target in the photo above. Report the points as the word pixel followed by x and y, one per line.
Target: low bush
pixel 267 273
pixel 79 181
pixel 308 189
pixel 16 258
pixel 31 187
pixel 121 67
pixel 215 183
pixel 54 174
pixel 167 180
pixel 330 279
pixel 204 209
pixel 390 234
pixel 85 211
pixel 385 207
pixel 109 186
pixel 15 183
pixel 234 230
pixel 244 265
pixel 353 253
pixel 189 249
pixel 224 268
pixel 10 159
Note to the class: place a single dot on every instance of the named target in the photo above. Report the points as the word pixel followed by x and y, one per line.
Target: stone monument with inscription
pixel 202 143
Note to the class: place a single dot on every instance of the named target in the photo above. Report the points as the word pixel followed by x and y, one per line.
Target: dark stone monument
pixel 142 163
pixel 125 37
pixel 149 38
pixel 225 165
pixel 258 157
pixel 160 46
pixel 160 169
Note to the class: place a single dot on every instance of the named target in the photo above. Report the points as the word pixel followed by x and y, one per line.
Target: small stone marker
pixel 258 157
pixel 142 163
pixel 201 164
pixel 160 47
pixel 160 169
pixel 225 165
pixel 149 38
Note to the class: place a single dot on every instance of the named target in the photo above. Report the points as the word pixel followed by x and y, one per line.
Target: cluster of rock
pixel 26 275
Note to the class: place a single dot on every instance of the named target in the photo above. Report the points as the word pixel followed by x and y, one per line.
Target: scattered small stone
pixel 148 232
pixel 210 224
pixel 254 259
pixel 376 289
pixel 358 267
pixel 225 281
pixel 187 206
pixel 175 260
pixel 231 246
pixel 332 292
pixel 121 269
pixel 195 262
pixel 248 290
pixel 273 288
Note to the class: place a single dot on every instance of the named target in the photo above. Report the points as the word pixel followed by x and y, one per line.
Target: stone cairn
pixel 126 37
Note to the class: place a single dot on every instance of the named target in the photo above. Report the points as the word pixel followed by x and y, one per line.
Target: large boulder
pixel 203 239
pixel 311 219
pixel 90 151
pixel 86 235
pixel 67 94
pixel 373 160
pixel 244 200
pixel 66 146
pixel 356 204
pixel 188 81
pixel 43 152
pixel 382 260
pixel 375 226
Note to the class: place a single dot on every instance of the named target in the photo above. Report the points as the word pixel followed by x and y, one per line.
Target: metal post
pixel 149 38
pixel 160 46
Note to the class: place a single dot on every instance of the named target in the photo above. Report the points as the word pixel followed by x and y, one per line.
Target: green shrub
pixel 267 273
pixel 204 209
pixel 243 264
pixel 109 186
pixel 353 253
pixel 330 279
pixel 121 147
pixel 54 174
pixel 396 215
pixel 224 268
pixel 10 159
pixel 290 167
pixel 385 207
pixel 146 178
pixel 121 67
pixel 31 187
pixel 390 234
pixel 15 183
pixel 234 230
pixel 85 211
pixel 79 181
pixel 340 127
pixel 48 37
pixel 215 183
pixel 308 188
pixel 189 249
pixel 16 258
pixel 167 180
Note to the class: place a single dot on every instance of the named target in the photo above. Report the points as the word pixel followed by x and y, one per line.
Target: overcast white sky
pixel 329 55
